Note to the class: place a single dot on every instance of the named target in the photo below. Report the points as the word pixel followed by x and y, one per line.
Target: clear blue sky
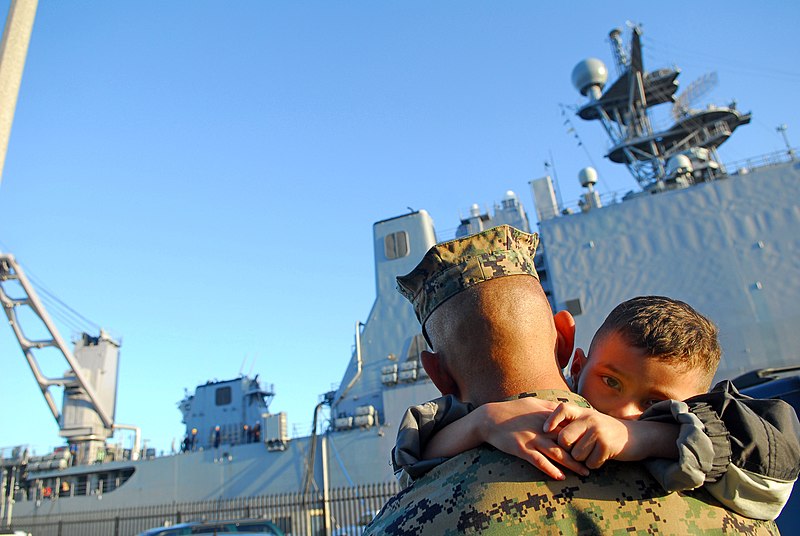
pixel 201 177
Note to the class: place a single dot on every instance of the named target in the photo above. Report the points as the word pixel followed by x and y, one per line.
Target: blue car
pixel 783 383
pixel 252 527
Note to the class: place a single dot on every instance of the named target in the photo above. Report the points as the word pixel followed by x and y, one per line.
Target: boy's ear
pixel 565 337
pixel 437 370
pixel 578 362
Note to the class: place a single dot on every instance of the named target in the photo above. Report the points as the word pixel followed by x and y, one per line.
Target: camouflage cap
pixel 451 267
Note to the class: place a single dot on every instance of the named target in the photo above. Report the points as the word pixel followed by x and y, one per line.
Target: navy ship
pixel 723 237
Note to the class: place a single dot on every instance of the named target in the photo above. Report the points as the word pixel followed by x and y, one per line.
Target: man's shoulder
pixel 486 490
pixel 556 395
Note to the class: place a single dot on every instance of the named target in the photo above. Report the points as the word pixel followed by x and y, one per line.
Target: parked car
pixel 783 383
pixel 173 530
pixel 252 527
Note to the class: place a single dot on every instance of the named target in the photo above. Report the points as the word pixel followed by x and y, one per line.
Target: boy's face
pixel 621 381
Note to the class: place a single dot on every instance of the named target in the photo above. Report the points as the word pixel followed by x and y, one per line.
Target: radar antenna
pixel 693 93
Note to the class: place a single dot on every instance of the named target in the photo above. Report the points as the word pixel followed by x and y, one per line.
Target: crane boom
pixel 89 399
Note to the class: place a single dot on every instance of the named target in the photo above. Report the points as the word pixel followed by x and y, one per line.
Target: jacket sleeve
pixel 418 425
pixel 745 451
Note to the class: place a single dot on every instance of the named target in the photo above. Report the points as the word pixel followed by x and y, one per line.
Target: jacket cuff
pixel 716 431
pixel 703 447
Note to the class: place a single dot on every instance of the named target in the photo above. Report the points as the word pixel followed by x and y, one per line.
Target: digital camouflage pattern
pixel 485 491
pixel 451 267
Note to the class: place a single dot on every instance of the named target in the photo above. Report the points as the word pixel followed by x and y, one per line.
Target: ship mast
pixel 681 155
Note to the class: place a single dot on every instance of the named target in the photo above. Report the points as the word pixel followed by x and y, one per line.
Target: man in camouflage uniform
pixel 493 337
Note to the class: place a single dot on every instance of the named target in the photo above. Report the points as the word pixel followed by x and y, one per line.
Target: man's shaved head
pixel 486 317
pixel 497 339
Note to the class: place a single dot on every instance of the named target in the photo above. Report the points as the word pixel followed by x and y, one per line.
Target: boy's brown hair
pixel 668 330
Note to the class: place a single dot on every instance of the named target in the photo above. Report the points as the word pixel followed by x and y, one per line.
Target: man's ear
pixel 565 337
pixel 438 372
pixel 578 362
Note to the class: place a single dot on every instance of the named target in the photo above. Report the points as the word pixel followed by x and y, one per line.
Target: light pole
pixel 13 50
pixel 782 129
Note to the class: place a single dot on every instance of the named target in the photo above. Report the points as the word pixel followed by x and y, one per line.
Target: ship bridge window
pixel 223 396
pixel 395 245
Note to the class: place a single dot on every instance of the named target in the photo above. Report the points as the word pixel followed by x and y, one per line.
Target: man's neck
pixel 511 387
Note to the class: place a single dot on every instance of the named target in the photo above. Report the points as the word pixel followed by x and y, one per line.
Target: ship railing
pixel 606 198
pixel 740 167
pixel 303 429
pixel 14 455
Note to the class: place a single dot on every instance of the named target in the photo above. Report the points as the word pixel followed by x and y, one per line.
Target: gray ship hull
pixel 354 458
pixel 730 248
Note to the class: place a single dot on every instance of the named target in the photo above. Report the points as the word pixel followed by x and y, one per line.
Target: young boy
pixel 650 353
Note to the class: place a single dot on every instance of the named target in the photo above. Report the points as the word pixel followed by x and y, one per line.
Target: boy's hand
pixel 589 435
pixel 513 427
pixel 594 438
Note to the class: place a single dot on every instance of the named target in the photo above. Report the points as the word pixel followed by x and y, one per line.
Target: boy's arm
pixel 418 425
pixel 513 426
pixel 744 451
pixel 457 437
pixel 594 437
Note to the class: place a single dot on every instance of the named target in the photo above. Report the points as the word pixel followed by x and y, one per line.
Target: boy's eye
pixel 611 382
